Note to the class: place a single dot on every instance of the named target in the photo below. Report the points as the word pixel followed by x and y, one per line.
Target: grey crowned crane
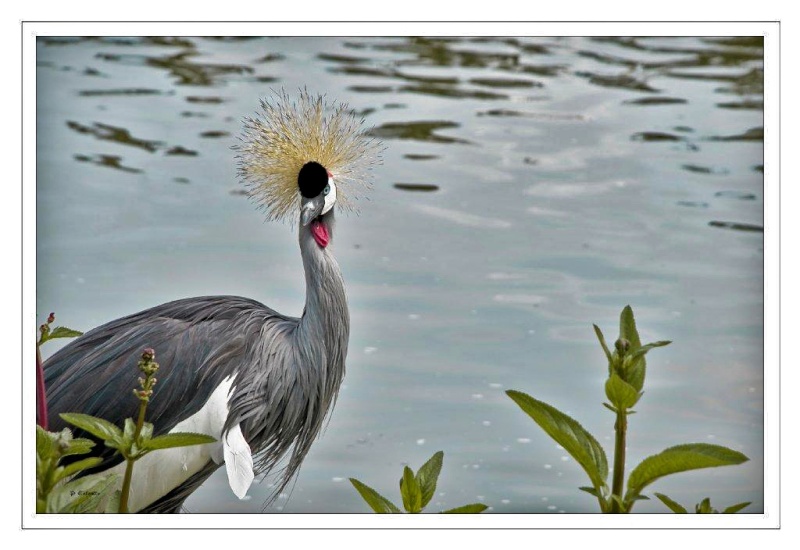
pixel 258 381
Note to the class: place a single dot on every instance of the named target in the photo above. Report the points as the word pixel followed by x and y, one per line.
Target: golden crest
pixel 288 133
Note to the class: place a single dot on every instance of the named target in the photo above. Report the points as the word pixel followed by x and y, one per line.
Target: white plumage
pixel 158 472
pixel 238 462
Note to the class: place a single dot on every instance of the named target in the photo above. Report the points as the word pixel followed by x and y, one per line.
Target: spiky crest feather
pixel 286 134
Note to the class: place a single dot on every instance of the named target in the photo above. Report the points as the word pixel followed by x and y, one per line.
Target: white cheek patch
pixel 330 198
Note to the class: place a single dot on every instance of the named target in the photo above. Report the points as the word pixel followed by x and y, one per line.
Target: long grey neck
pixel 325 325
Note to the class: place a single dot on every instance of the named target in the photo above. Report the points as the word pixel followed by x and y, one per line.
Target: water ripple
pixel 423 187
pixel 106 132
pixel 463 218
pixel 418 131
pixel 737 226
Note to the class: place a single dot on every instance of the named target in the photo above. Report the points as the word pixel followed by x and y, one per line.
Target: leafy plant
pixel 80 495
pixel 56 493
pixel 45 334
pixel 624 388
pixel 416 490
pixel 703 507
pixel 136 439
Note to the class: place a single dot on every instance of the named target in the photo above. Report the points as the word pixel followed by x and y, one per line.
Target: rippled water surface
pixel 530 188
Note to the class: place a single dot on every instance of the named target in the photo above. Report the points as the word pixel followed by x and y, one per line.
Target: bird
pixel 260 382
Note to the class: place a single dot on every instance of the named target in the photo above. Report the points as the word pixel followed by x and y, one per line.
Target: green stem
pixel 44 485
pixel 126 487
pixel 126 481
pixel 621 427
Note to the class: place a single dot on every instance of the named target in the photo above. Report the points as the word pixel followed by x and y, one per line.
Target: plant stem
pixel 621 427
pixel 44 471
pixel 41 396
pixel 126 481
pixel 126 487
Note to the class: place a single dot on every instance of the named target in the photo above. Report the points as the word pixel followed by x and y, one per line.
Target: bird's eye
pixel 326 190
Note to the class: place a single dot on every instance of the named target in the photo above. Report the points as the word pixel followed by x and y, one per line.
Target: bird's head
pixel 291 152
pixel 318 196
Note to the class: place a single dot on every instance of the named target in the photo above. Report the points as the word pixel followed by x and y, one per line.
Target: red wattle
pixel 320 233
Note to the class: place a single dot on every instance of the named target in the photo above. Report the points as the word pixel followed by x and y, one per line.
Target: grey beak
pixel 311 208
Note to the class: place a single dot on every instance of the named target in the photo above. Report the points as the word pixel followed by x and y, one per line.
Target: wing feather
pixel 199 342
pixel 238 461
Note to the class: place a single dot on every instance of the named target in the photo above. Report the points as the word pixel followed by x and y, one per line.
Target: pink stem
pixel 41 396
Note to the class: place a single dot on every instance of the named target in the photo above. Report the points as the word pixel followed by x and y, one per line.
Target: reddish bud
pixel 51 318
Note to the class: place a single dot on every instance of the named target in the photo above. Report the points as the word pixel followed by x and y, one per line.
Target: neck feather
pixel 325 325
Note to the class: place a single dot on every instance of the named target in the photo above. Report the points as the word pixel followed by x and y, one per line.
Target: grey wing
pixel 198 343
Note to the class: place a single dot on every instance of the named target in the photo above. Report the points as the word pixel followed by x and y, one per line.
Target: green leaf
pixel 592 491
pixel 475 508
pixel 637 366
pixel 147 431
pixel 428 475
pixel 98 427
pixel 80 496
pixel 735 508
pixel 610 407
pixel 568 433
pixel 378 503
pixel 45 446
pixel 100 494
pixel 704 507
pixel 602 339
pixel 112 506
pixel 627 329
pixel 671 504
pixel 621 394
pixel 129 431
pixel 644 349
pixel 410 491
pixel 78 446
pixel 63 332
pixel 79 466
pixel 178 439
pixel 636 373
pixel 680 458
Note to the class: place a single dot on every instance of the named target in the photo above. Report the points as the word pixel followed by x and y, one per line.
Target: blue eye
pixel 326 190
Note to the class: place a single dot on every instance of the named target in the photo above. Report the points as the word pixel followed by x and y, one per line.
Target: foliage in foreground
pixel 416 490
pixel 624 389
pixel 81 495
pixel 136 440
pixel 47 333
pixel 60 488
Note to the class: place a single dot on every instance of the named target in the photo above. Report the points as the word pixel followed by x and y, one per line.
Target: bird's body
pixel 294 369
pixel 258 381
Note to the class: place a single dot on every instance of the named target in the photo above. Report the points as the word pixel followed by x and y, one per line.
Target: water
pixel 530 188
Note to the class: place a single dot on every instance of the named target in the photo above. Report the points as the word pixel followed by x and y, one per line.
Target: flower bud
pixel 149 354
pixel 51 318
pixel 622 346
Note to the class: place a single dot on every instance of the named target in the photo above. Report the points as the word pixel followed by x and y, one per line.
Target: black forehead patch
pixel 312 179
